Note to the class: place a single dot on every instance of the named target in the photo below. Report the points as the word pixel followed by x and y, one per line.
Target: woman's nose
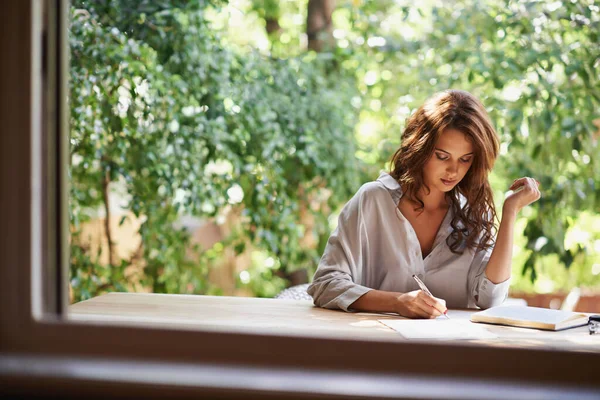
pixel 452 168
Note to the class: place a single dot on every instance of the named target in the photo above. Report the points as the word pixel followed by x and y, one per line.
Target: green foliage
pixel 261 278
pixel 267 9
pixel 551 274
pixel 191 127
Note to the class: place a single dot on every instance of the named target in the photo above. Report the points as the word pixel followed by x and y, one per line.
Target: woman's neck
pixel 433 201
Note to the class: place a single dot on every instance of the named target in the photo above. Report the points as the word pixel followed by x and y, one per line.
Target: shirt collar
pixel 388 181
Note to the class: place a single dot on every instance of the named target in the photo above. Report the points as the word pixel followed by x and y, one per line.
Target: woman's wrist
pixel 399 307
pixel 509 211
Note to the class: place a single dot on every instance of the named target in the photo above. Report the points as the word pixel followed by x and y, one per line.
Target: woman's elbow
pixel 315 290
pixel 323 296
pixel 489 302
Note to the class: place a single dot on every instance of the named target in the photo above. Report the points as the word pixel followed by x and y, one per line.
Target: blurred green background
pixel 213 143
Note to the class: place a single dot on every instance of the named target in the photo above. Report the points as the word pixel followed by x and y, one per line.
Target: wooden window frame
pixel 44 353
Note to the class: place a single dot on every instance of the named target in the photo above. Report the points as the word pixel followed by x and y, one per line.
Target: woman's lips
pixel 448 183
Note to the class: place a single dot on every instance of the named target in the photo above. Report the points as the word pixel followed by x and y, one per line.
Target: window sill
pixel 46 376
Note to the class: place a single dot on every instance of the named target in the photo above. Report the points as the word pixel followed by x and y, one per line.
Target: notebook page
pixel 438 329
pixel 536 314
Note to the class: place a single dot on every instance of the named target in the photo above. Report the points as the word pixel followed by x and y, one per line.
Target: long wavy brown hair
pixel 473 224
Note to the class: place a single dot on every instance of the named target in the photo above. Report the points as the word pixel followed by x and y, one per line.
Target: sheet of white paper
pixel 438 329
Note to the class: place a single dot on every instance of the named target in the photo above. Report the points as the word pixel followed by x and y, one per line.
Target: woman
pixel 432 216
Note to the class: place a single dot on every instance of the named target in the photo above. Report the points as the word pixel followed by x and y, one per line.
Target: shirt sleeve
pixel 341 266
pixel 483 292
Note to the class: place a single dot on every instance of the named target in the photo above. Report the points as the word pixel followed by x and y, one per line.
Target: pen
pixel 424 288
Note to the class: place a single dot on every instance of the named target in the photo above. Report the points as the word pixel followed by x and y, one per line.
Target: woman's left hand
pixel 520 198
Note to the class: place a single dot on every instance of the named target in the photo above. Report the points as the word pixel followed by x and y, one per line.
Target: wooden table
pixel 292 317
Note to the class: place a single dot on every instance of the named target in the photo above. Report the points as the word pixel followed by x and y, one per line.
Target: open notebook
pixel 531 317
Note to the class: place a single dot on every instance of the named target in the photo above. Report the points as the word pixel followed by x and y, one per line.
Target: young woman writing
pixel 432 216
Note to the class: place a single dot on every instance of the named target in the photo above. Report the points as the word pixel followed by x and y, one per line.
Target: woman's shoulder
pixel 376 191
pixel 373 189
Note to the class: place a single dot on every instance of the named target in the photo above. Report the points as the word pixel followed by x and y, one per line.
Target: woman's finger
pixel 523 181
pixel 415 310
pixel 516 184
pixel 534 186
pixel 422 311
pixel 438 304
pixel 427 305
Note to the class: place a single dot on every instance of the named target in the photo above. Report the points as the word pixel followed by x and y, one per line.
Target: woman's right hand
pixel 418 304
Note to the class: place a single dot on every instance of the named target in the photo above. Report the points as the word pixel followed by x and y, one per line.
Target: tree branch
pixel 319 27
pixel 107 230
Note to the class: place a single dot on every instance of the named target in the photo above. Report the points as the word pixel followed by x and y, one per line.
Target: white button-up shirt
pixel 375 247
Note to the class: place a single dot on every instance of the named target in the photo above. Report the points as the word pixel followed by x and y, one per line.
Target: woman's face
pixel 452 158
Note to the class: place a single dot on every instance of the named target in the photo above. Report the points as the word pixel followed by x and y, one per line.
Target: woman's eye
pixel 465 161
pixel 441 157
